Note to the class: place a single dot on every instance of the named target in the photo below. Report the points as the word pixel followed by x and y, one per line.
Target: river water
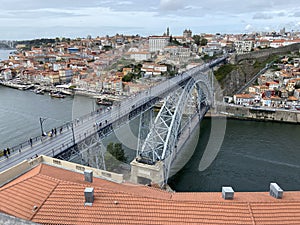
pixel 252 155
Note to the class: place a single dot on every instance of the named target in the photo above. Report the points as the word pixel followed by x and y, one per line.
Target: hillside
pixel 235 75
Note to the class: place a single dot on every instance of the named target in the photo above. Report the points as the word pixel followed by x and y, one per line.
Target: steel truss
pixel 87 152
pixel 162 138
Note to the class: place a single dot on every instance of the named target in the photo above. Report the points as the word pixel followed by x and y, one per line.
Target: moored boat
pixel 39 91
pixel 103 101
pixel 56 95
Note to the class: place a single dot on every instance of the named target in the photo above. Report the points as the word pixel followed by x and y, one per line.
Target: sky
pixel 28 19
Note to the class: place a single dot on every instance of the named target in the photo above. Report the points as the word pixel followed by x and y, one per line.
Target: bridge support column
pixel 146 174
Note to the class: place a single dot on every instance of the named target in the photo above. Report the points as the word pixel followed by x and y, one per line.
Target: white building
pixel 157 43
pixel 243 46
pixel 139 56
pixel 6 74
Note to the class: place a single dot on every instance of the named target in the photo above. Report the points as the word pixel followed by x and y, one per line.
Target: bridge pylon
pixel 158 152
pixel 144 173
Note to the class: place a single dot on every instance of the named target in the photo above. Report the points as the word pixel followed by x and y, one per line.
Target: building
pixel 6 74
pixel 243 99
pixel 157 43
pixel 187 33
pixel 139 56
pixel 65 76
pixel 51 191
pixel 243 46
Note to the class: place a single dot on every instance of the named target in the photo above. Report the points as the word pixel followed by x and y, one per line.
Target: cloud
pixel 296 14
pixel 262 16
pixel 40 13
pixel 125 3
pixel 248 27
pixel 200 16
pixel 281 14
pixel 171 5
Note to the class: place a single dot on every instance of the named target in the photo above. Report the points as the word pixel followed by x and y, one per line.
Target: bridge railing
pixel 125 106
pixel 37 139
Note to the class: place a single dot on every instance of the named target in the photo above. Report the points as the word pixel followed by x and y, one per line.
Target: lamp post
pixel 41 123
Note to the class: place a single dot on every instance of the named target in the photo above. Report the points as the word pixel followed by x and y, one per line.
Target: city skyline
pixel 35 19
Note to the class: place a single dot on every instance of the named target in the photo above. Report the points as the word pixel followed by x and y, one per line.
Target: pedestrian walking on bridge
pixel 30 141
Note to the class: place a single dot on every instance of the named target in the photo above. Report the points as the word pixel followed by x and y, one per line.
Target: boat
pixel 56 95
pixel 297 107
pixel 104 101
pixel 39 91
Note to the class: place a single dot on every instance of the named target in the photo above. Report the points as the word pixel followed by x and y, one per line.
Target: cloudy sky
pixel 26 19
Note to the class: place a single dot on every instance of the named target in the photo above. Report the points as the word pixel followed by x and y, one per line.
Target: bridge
pixel 186 98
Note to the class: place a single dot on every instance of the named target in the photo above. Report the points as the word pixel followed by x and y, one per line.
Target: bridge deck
pixel 51 146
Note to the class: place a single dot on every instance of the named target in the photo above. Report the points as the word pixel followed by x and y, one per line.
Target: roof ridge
pixel 31 218
pixel 251 213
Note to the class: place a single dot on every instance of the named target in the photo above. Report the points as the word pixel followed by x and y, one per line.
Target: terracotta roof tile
pixel 58 195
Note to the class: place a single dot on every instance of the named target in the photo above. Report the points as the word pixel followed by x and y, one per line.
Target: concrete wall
pixel 268 52
pixel 153 173
pixel 263 114
pixel 21 168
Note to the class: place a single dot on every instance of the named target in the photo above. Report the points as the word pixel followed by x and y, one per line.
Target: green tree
pixel 114 156
pixel 127 78
pixel 203 42
pixel 197 39
pixel 117 151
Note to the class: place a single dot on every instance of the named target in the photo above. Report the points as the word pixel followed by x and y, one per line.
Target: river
pixel 252 155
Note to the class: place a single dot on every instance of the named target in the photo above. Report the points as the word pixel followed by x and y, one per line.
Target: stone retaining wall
pixel 251 113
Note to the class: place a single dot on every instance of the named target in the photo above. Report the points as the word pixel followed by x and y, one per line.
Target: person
pixel 30 140
pixel 8 151
pixel 4 153
pixel 60 131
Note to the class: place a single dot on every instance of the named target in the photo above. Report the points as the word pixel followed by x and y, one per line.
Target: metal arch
pixel 163 134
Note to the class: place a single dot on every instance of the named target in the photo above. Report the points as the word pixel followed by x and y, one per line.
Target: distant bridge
pixel 187 94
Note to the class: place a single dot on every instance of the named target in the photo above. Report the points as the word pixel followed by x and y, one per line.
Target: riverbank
pixel 258 114
pixel 67 91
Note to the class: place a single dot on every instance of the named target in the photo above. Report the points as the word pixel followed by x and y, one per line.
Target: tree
pixel 117 151
pixel 197 39
pixel 114 156
pixel 127 78
pixel 203 42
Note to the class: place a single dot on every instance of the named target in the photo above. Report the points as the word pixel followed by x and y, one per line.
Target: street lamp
pixel 41 123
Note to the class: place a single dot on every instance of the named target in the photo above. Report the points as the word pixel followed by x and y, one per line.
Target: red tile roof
pixel 51 195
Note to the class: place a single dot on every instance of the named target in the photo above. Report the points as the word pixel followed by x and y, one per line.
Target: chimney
pixel 227 193
pixel 89 196
pixel 88 176
pixel 275 191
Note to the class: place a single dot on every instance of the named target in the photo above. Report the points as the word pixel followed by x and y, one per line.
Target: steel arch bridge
pixel 175 115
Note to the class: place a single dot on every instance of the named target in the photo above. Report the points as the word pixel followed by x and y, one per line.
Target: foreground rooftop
pixel 53 193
